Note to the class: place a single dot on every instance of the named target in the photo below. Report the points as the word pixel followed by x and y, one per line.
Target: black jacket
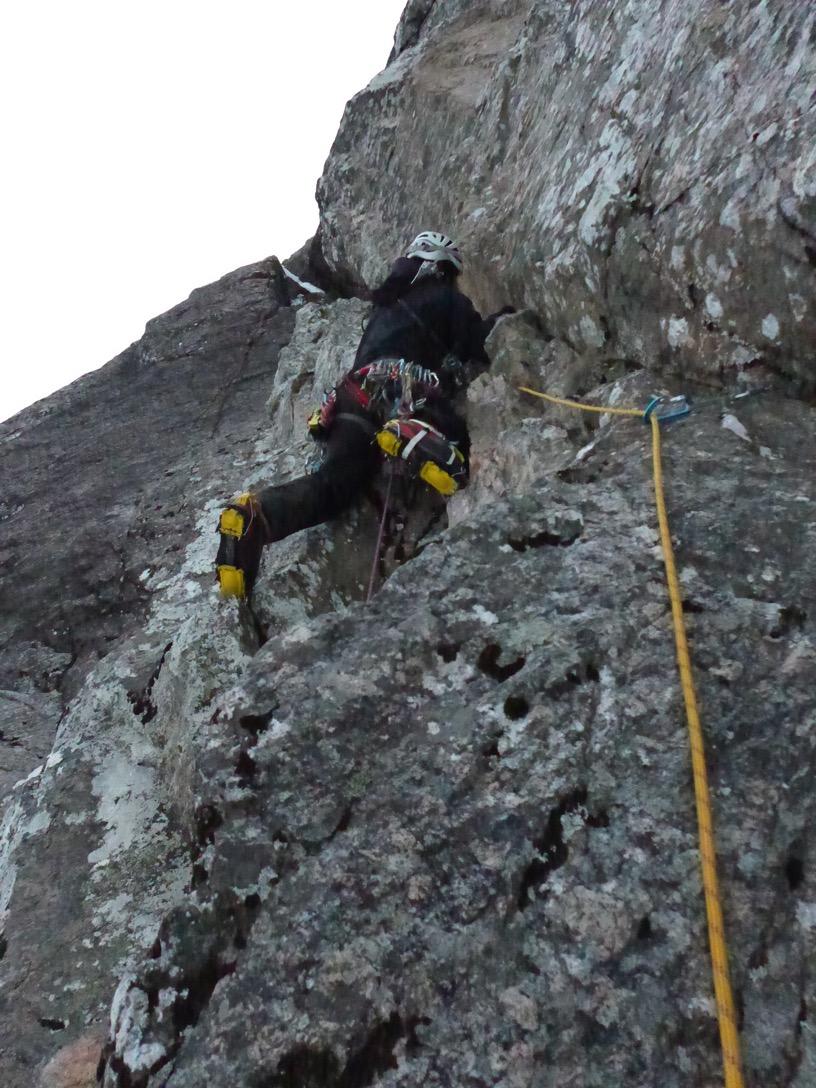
pixel 422 323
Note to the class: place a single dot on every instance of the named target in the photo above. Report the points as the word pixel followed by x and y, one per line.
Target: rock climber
pixel 424 341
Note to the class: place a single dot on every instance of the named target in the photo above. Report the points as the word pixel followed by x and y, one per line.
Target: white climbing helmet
pixel 431 246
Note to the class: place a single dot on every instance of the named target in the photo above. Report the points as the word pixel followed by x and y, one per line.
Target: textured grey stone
pixel 109 833
pixel 28 722
pixel 448 838
pixel 451 837
pixel 106 487
pixel 101 483
pixel 640 175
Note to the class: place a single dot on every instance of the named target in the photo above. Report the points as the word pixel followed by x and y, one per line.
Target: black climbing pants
pixel 351 462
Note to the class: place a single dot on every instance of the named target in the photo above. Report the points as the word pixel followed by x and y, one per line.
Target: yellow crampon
pixel 232 525
pixel 444 474
pixel 389 443
pixel 232 582
pixel 438 479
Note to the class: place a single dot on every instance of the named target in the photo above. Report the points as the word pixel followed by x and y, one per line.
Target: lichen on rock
pixel 448 836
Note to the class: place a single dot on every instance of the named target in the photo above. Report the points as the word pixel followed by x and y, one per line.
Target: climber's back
pixel 419 314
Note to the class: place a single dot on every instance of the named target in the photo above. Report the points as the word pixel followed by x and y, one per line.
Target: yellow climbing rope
pixel 584 407
pixel 726 1015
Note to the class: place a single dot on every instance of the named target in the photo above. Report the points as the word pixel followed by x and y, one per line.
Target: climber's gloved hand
pixel 490 321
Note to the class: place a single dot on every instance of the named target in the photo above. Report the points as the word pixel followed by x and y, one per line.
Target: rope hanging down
pixel 380 535
pixel 726 1015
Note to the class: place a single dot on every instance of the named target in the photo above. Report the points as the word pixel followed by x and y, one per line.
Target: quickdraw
pixel 397 387
pixel 322 419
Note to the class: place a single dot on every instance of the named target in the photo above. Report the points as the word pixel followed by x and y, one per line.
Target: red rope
pixel 380 535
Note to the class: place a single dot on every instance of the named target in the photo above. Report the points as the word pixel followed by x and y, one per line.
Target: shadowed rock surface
pixel 101 483
pixel 448 837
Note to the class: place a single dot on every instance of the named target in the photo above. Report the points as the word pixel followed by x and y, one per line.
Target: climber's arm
pixel 472 332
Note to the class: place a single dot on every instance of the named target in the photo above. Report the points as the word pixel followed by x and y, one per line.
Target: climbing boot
pixel 243 532
pixel 435 459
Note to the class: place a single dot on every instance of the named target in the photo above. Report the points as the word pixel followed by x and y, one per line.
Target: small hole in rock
pixel 252 901
pixel 794 871
pixel 256 723
pixel 516 707
pixel 52 1025
pixel 447 651
pixel 200 875
pixel 543 539
pixel 488 663
pixel 208 820
pixel 303 1067
pixel 344 822
pixel 550 847
pixel 245 767
pixel 692 608
pixel 491 749
pixel 791 619
pixel 644 930
pixel 758 958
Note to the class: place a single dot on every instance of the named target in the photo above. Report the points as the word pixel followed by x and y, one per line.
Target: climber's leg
pixel 443 416
pixel 351 462
pixel 352 459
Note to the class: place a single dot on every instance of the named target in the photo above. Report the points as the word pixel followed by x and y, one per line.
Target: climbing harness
pixel 322 419
pixel 664 409
pixel 389 391
pixel 243 530
pixel 383 389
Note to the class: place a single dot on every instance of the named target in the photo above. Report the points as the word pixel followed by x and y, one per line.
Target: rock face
pixel 103 486
pixel 450 836
pixel 641 175
pixel 102 482
pixel 446 837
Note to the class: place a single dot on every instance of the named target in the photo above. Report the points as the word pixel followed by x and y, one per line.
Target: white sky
pixel 149 147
